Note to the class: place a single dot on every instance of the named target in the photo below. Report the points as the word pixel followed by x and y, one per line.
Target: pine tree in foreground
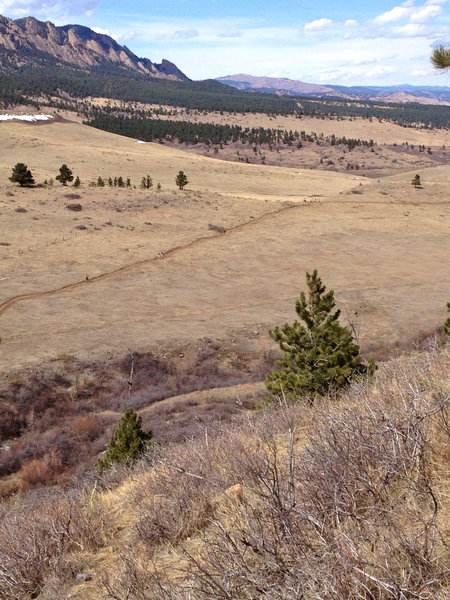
pixel 440 58
pixel 127 442
pixel 21 175
pixel 319 353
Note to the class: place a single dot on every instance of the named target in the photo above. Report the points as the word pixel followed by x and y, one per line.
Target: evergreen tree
pixel 21 175
pixel 128 441
pixel 77 182
pixel 440 58
pixel 120 182
pixel 181 180
pixel 319 354
pixel 143 184
pixel 447 322
pixel 65 174
pixel 416 181
pixel 149 182
pixel 110 181
pixel 100 182
pixel 128 183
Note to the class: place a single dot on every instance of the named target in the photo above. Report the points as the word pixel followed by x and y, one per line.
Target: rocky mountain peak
pixel 29 41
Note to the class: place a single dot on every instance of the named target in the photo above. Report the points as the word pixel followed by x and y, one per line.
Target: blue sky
pixel 382 42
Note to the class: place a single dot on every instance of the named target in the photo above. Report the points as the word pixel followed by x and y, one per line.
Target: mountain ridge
pixel 28 41
pixel 284 86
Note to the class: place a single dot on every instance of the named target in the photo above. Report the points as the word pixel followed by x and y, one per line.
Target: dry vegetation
pixel 397 149
pixel 56 420
pixel 375 242
pixel 236 244
pixel 345 499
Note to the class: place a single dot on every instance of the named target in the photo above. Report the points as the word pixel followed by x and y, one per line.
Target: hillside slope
pixel 29 42
pixel 340 500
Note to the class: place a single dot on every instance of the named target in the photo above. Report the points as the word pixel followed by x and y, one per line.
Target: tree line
pixel 22 175
pixel 411 114
pixel 150 130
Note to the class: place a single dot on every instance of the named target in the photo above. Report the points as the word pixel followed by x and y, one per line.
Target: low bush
pixel 74 206
pixel 340 500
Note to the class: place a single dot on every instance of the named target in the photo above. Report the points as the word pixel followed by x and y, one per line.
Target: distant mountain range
pixel 31 43
pixel 394 94
pixel 38 58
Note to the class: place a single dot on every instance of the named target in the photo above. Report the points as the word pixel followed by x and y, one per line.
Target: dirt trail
pixel 14 299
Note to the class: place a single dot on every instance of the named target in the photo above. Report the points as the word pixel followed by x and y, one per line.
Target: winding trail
pixel 129 267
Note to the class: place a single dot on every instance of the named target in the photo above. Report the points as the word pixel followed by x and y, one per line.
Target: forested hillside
pixel 108 83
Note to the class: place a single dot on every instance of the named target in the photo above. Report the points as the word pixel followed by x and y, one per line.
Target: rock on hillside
pixel 31 42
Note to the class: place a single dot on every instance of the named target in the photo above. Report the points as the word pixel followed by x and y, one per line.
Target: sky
pixel 339 42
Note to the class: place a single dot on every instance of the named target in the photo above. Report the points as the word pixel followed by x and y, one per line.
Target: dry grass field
pixel 380 244
pixel 397 149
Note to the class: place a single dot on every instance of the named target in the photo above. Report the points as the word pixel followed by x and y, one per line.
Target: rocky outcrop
pixel 29 41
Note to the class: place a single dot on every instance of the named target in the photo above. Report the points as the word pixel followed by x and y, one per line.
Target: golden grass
pixel 375 243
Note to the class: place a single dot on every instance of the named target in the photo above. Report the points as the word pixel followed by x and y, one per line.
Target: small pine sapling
pixel 416 181
pixel 65 174
pixel 127 443
pixel 181 180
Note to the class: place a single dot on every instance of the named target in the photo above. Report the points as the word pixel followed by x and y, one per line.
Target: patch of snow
pixel 141 142
pixel 29 118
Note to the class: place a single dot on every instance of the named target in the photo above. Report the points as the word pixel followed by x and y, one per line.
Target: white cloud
pixel 377 71
pixel 187 34
pixel 411 29
pixel 420 14
pixel 420 73
pixel 126 36
pixel 52 9
pixel 100 30
pixel 318 25
pixel 350 23
pixel 354 74
pixel 425 13
pixel 397 13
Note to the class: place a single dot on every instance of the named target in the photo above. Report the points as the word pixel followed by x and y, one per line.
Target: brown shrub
pixel 38 471
pixel 88 427
pixel 39 532
pixel 342 500
pixel 11 423
pixel 75 206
